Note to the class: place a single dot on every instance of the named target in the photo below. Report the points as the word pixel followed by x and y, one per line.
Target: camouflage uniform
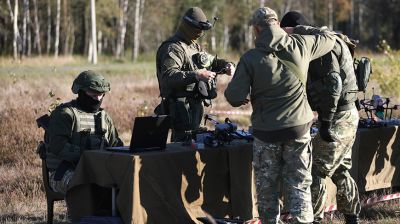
pixel 279 101
pixel 331 90
pixel 176 74
pixel 333 159
pixel 293 160
pixel 73 129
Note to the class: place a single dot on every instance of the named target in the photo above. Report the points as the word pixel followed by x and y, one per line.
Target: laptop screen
pixel 150 133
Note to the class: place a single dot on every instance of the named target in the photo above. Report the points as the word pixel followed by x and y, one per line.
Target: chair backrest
pixel 50 193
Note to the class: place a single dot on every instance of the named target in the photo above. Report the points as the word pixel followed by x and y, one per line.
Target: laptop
pixel 148 134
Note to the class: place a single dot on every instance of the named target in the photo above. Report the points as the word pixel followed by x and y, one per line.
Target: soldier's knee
pixel 340 175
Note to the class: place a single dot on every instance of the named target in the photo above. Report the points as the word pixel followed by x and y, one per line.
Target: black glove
pixel 324 131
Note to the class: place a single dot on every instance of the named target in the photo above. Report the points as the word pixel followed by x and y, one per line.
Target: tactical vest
pixel 316 87
pixel 86 133
pixel 89 131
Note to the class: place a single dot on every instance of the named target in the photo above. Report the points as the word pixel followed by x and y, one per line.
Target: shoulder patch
pixel 169 62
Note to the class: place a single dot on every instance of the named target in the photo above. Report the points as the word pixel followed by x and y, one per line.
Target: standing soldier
pixel 179 72
pixel 77 126
pixel 331 90
pixel 274 75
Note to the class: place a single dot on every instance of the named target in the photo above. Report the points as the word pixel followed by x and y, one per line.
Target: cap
pixel 293 18
pixel 90 80
pixel 196 18
pixel 262 16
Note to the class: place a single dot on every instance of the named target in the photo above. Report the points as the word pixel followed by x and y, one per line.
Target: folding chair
pixel 51 195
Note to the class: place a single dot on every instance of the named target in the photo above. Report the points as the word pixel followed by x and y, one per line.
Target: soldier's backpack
pixel 43 122
pixel 363 70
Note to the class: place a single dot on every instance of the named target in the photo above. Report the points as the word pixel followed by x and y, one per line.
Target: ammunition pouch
pixel 207 90
pixel 180 113
pixel 163 107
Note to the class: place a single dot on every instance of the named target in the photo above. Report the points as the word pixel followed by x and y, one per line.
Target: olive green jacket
pixel 176 67
pixel 277 95
pixel 67 141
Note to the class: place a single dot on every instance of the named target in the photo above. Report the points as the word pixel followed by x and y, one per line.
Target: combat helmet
pixel 196 18
pixel 90 80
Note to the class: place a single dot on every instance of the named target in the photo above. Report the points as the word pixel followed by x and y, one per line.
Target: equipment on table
pixel 223 133
pixel 148 134
pixel 379 112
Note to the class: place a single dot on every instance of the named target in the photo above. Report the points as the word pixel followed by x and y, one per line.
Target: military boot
pixel 351 219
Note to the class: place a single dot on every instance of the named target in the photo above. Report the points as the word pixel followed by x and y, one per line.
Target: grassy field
pixel 29 88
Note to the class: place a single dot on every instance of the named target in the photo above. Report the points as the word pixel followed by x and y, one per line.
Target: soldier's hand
pixel 204 75
pixel 324 131
pixel 246 101
pixel 230 69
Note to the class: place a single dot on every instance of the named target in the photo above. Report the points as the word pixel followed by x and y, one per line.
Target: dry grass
pixel 24 91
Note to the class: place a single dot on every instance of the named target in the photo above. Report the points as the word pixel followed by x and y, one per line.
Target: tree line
pixel 128 28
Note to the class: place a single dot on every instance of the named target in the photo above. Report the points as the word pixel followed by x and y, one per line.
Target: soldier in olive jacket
pixel 274 75
pixel 178 73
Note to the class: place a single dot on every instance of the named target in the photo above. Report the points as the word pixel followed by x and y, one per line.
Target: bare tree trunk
pixel 262 3
pixel 213 38
pixel 57 40
pixel 29 31
pixel 136 31
pixel 29 36
pixel 37 29
pixel 360 19
pixel 141 17
pixel 24 27
pixel 225 38
pixel 15 29
pixel 90 50
pixel 351 25
pixel 65 27
pixel 99 42
pixel 11 10
pixel 123 18
pixel 48 27
pixel 330 14
pixel 248 29
pixel 87 34
pixel 94 39
pixel 71 49
pixel 311 12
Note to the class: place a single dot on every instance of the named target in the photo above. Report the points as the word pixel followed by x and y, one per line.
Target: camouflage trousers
pixel 287 163
pixel 61 186
pixel 334 160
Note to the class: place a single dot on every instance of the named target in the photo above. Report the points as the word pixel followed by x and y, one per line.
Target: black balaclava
pixel 193 24
pixel 293 18
pixel 87 103
pixel 190 33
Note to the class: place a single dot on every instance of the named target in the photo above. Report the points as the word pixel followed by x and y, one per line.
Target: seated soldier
pixel 76 126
